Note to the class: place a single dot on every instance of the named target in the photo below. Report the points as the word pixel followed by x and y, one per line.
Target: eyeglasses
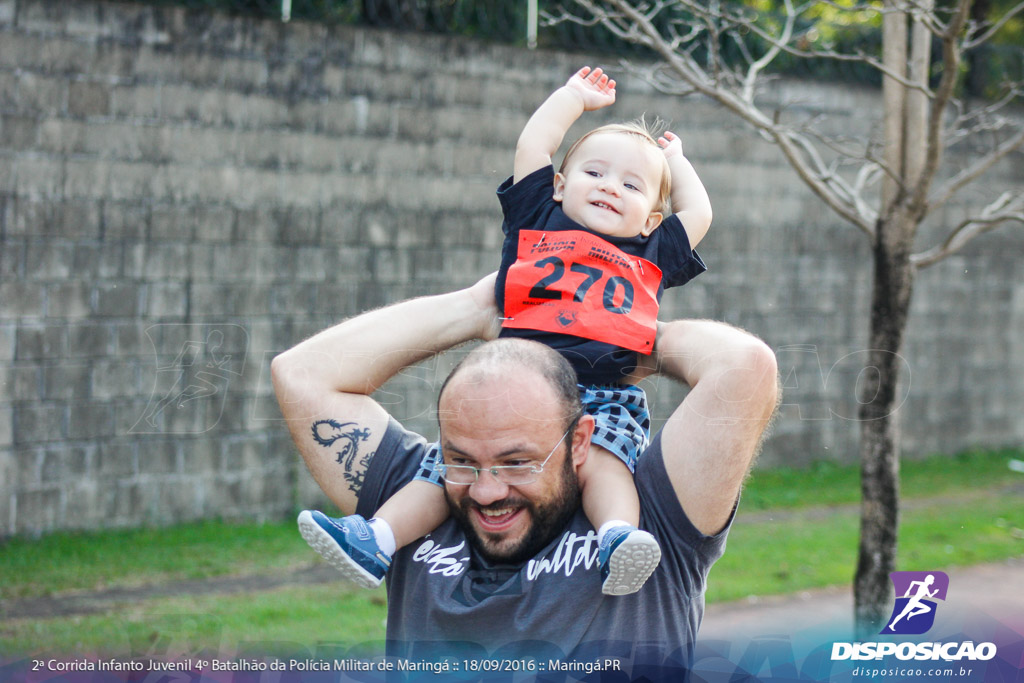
pixel 510 475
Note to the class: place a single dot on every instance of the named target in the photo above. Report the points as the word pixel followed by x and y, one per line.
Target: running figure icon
pixel 919 591
pixel 914 605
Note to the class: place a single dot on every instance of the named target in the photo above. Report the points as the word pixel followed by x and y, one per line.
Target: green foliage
pixel 825 25
pixel 851 27
pixel 845 26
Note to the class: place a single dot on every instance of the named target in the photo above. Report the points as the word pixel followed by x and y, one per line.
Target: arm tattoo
pixel 355 479
pixel 328 432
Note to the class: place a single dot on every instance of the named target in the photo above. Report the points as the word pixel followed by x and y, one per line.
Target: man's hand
pixel 594 87
pixel 482 294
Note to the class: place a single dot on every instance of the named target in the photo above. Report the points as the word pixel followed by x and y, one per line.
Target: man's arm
pixel 586 90
pixel 690 200
pixel 710 441
pixel 323 385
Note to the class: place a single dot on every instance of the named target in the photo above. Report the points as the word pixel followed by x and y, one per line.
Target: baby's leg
pixel 418 508
pixel 362 550
pixel 627 555
pixel 609 493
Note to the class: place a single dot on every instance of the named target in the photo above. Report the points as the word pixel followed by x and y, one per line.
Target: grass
pixel 798 552
pixel 282 622
pixel 824 481
pixel 958 511
pixel 69 561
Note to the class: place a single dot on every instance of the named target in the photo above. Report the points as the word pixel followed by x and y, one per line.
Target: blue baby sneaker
pixel 628 556
pixel 348 544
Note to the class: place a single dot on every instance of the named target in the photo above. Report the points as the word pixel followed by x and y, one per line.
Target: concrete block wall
pixel 184 194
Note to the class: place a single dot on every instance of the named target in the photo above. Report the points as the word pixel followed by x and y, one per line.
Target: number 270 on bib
pixel 576 283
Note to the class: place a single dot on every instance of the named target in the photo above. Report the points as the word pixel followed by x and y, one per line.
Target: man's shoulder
pixel 662 512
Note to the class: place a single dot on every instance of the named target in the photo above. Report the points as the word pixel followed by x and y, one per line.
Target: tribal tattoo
pixel 328 432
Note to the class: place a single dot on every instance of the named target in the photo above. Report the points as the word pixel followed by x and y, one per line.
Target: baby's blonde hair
pixel 646 132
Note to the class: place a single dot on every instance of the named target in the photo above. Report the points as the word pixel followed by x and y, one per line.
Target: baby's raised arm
pixel 586 90
pixel 690 200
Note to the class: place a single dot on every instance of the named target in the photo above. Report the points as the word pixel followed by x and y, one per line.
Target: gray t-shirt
pixel 446 601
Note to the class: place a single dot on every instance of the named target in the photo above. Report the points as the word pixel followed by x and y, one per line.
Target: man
pixel 512 573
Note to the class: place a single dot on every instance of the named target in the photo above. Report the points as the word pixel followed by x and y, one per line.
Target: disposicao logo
pixel 914 614
pixel 916 593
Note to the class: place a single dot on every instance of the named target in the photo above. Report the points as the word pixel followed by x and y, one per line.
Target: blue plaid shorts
pixel 622 420
pixel 622 425
pixel 427 470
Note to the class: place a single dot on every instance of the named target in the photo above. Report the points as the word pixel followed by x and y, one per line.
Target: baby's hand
pixel 594 87
pixel 671 145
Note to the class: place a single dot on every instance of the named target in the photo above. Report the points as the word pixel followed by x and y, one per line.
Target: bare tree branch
pixel 972 42
pixel 943 94
pixel 968 124
pixel 840 193
pixel 866 176
pixel 869 168
pixel 797 149
pixel 1008 207
pixel 680 73
pixel 928 16
pixel 976 170
pixel 755 69
pixel 779 45
pixel 805 160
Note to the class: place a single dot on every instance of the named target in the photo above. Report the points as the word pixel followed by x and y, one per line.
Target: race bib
pixel 576 283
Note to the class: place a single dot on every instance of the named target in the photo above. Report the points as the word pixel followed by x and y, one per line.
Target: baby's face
pixel 611 185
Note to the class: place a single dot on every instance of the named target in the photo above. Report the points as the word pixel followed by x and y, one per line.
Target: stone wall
pixel 184 194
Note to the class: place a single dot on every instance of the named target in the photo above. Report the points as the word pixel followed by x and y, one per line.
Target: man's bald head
pixel 509 357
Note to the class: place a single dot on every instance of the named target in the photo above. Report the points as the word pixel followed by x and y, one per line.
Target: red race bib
pixel 576 283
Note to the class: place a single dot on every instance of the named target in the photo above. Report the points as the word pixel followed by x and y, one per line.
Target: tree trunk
pixel 880 448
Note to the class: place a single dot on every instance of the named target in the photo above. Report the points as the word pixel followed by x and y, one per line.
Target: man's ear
pixel 559 187
pixel 581 440
pixel 653 221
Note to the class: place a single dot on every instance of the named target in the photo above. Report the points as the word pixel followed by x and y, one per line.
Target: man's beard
pixel 546 519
